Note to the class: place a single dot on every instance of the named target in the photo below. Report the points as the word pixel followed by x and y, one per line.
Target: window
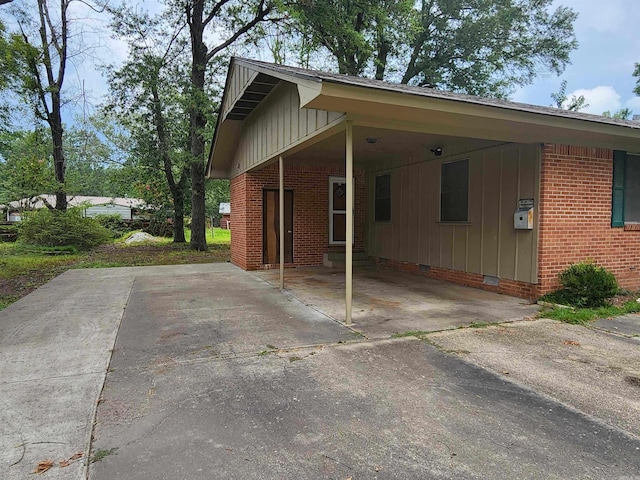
pixel 625 208
pixel 454 191
pixel 383 198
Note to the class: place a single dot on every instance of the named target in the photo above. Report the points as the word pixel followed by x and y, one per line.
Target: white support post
pixel 348 246
pixel 281 217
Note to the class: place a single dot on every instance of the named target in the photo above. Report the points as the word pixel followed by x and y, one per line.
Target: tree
pixel 45 57
pixel 9 72
pixel 147 96
pixel 480 47
pixel 231 19
pixel 25 165
pixel 622 114
pixel 574 104
pixel 636 73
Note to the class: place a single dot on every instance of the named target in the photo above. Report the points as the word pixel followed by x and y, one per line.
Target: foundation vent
pixel 489 280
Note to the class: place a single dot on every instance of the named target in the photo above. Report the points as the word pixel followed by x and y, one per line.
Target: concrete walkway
pixel 55 347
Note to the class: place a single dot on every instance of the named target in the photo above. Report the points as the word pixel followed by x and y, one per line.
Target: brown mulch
pixel 621 299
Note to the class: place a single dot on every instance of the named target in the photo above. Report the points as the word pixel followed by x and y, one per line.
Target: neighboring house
pixel 481 192
pixel 225 211
pixel 126 208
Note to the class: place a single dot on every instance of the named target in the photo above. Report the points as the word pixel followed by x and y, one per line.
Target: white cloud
pixel 600 99
pixel 634 104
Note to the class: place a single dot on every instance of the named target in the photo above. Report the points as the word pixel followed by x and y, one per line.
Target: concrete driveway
pixel 216 374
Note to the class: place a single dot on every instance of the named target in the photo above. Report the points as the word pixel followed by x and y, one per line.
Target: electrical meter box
pixel 523 218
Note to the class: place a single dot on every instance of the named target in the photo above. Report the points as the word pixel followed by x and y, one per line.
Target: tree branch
pixel 259 17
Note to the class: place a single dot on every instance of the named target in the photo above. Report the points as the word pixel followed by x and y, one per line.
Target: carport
pixel 323 164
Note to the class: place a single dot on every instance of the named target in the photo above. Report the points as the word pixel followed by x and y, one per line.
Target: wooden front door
pixel 271 226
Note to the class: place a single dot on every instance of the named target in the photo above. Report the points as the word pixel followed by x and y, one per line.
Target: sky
pixel 601 67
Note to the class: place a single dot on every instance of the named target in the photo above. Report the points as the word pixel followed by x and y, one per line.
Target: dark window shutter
pixel 617 196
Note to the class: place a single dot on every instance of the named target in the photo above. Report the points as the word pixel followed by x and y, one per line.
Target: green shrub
pixel 116 225
pixel 587 285
pixel 52 228
pixel 160 227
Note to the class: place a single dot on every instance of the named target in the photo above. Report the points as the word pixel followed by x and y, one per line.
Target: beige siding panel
pixel 240 78
pixel 302 122
pixel 425 220
pixel 334 116
pixel 397 215
pixel 434 193
pixel 295 115
pixel 413 206
pixel 526 263
pixel 489 244
pixel 446 246
pixel 491 209
pixel 312 121
pixel 508 202
pixel 459 256
pixel 276 124
pixel 474 231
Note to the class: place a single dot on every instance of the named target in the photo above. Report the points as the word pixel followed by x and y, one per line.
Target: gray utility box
pixel 523 218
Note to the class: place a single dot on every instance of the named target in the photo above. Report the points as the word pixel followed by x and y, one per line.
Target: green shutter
pixel 617 196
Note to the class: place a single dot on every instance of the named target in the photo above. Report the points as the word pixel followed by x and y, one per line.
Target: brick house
pixel 437 180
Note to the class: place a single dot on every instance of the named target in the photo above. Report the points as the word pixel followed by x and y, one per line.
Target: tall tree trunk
pixel 176 189
pixel 197 122
pixel 55 123
pixel 178 217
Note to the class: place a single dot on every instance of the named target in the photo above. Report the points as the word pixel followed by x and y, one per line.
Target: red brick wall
pixel 575 217
pixel 507 287
pixel 310 185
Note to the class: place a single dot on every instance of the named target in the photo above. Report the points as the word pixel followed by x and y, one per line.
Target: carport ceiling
pixel 388 145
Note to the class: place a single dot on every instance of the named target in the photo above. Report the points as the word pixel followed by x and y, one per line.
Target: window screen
pixel 454 192
pixel 383 198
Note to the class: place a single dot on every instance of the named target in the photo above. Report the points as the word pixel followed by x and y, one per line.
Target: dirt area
pixel 111 255
pixel 627 296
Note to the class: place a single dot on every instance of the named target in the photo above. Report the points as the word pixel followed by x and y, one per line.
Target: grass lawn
pixel 24 268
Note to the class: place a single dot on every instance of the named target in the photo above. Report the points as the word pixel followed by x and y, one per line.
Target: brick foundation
pixel 506 287
pixel 575 217
pixel 310 185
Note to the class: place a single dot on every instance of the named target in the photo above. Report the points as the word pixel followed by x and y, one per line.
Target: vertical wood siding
pixel 240 78
pixel 278 123
pixel 488 244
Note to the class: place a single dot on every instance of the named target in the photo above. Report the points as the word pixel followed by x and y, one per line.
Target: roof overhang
pixel 399 107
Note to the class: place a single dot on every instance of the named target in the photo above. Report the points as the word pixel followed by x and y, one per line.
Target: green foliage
pixel 160 227
pixel 587 285
pixel 583 316
pixel 573 104
pixel 52 228
pixel 622 114
pixel 480 47
pixel 26 167
pixel 116 225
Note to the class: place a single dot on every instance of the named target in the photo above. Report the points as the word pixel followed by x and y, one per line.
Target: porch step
pixel 337 259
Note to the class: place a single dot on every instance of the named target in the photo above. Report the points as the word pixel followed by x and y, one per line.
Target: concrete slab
pixel 628 325
pixel 393 409
pixel 56 344
pixel 387 302
pixel 593 372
